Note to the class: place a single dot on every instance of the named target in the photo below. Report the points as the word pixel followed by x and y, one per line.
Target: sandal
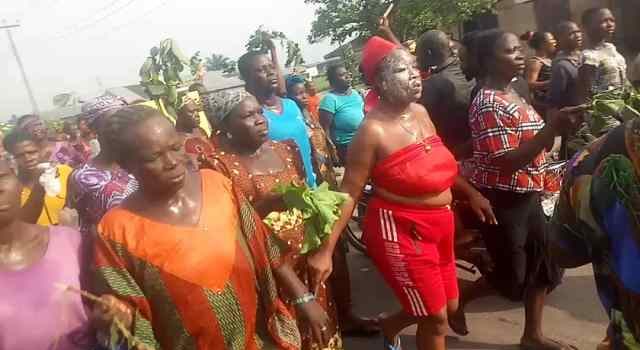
pixel 395 345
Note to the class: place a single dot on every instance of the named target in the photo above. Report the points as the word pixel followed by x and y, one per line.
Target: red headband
pixel 374 51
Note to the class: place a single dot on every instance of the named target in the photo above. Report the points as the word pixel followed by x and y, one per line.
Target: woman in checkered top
pixel 509 140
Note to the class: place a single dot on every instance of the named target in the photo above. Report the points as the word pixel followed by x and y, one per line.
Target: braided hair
pixel 115 132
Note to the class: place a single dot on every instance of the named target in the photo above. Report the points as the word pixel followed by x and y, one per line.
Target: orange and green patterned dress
pixel 259 189
pixel 208 286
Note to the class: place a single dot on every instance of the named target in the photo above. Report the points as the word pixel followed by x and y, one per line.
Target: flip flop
pixel 459 326
pixel 395 345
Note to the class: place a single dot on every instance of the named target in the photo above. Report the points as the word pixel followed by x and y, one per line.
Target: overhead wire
pixel 134 20
pixel 95 14
pixel 97 21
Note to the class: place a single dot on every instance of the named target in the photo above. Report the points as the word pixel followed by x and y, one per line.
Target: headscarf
pixel 374 51
pixel 218 106
pixel 95 108
pixel 293 80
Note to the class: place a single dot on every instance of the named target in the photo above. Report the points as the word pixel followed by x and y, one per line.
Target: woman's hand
pixel 110 309
pixel 383 25
pixel 314 315
pixel 320 267
pixel 566 118
pixel 482 208
pixel 268 42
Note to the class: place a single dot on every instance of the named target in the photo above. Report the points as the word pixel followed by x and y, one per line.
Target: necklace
pixel 404 117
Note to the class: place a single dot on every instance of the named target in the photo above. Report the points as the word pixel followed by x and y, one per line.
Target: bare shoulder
pixel 422 113
pixel 373 126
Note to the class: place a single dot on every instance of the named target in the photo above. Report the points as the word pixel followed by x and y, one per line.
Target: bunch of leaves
pixel 621 103
pixel 160 73
pixel 320 208
pixel 258 42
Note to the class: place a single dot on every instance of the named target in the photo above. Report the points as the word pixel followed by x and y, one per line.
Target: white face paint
pixel 399 78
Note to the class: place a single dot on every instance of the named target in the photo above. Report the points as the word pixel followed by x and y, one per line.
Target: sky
pixel 85 46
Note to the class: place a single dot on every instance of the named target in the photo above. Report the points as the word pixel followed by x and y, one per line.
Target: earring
pixel 229 136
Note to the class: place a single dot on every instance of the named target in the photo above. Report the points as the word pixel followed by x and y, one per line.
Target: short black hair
pixel 590 14
pixel 486 47
pixel 114 131
pixel 244 63
pixel 15 137
pixel 537 40
pixel 563 27
pixel 332 72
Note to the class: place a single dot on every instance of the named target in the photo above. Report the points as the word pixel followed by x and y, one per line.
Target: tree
pixel 257 42
pixel 340 20
pixel 294 55
pixel 216 62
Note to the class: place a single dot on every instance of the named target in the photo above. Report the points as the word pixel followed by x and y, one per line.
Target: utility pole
pixel 34 104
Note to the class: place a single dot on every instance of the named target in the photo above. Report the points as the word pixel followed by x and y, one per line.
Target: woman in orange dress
pixel 257 166
pixel 187 256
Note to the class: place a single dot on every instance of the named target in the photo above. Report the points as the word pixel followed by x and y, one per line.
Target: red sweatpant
pixel 413 249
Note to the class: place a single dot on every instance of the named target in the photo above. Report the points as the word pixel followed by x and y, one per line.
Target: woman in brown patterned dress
pixel 257 166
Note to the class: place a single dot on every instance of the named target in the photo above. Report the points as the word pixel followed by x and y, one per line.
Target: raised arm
pixel 282 86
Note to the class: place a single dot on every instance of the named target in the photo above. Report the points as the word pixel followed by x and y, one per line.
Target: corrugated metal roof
pixel 218 81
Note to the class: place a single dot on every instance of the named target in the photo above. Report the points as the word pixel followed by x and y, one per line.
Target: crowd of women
pixel 170 250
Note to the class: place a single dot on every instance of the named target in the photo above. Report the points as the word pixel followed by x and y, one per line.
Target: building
pixel 519 16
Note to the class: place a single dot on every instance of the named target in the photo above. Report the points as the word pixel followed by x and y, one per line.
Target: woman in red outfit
pixel 409 224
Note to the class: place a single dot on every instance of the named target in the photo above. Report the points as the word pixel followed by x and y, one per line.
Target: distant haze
pixel 87 46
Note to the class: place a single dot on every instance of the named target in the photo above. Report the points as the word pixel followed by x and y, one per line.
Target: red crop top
pixel 416 170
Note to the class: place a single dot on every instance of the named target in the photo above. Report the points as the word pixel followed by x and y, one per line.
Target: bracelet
pixel 305 298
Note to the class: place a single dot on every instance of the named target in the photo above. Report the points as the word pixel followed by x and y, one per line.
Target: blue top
pixel 290 125
pixel 348 113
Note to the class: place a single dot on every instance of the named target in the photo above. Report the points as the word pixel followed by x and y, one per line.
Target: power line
pixel 130 22
pixel 96 13
pixel 98 20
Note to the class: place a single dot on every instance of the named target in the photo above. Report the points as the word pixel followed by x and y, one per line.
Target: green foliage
pixel 194 62
pixel 160 73
pixel 220 63
pixel 340 20
pixel 321 83
pixel 259 41
pixel 351 62
pixel 620 103
pixel 294 55
pixel 320 208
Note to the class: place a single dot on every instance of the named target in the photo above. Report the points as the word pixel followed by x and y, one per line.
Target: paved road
pixel 573 314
